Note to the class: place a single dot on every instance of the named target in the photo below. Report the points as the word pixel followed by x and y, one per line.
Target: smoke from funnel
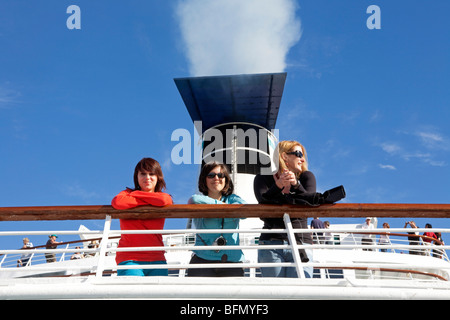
pixel 237 36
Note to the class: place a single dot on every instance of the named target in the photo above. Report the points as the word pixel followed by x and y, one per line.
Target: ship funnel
pixel 235 117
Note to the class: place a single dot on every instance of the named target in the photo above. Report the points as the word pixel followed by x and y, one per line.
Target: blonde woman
pixel 292 177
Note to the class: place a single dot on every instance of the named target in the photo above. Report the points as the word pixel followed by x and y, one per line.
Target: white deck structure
pixel 342 269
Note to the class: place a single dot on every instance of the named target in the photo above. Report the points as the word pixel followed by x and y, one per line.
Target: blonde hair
pixel 288 146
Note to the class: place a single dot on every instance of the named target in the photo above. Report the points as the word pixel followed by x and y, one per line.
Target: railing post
pixel 103 247
pixel 63 256
pixel 31 258
pixel 293 242
pixel 3 259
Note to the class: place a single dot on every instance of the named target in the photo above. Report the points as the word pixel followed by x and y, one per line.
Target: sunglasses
pixel 296 153
pixel 212 175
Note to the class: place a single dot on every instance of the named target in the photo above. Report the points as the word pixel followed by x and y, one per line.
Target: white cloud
pixel 8 97
pixel 387 166
pixel 433 140
pixel 391 148
pixel 430 137
pixel 235 36
pixel 435 163
pixel 413 153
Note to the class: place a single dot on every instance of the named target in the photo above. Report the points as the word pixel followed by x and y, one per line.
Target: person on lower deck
pixel 24 260
pixel 366 238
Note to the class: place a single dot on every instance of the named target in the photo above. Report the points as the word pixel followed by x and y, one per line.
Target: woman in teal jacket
pixel 217 188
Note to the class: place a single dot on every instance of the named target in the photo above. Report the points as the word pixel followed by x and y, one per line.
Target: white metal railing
pixel 38 263
pixel 397 242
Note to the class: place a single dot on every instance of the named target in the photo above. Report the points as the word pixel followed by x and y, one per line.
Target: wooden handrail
pixel 98 212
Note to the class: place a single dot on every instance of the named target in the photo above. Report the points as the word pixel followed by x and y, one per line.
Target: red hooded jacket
pixel 130 199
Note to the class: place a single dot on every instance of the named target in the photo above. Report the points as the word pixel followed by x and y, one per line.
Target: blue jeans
pixel 280 255
pixel 142 272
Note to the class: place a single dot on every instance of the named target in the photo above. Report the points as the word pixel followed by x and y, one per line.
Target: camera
pixel 334 195
pixel 220 241
pixel 316 198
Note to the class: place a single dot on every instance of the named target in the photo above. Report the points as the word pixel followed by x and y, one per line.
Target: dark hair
pixel 207 168
pixel 152 166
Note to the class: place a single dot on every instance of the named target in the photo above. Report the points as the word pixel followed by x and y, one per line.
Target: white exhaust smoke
pixel 237 36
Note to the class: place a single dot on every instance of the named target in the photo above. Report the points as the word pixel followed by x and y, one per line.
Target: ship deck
pixel 363 271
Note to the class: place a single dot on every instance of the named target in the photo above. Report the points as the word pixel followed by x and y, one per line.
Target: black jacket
pixel 266 191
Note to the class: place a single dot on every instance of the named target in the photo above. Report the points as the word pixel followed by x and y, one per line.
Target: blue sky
pixel 79 108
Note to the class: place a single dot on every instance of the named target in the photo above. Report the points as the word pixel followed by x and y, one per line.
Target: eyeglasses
pixel 296 153
pixel 212 175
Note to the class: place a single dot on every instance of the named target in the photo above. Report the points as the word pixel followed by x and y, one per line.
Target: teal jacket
pixel 216 223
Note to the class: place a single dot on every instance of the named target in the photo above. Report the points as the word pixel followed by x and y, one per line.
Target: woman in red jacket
pixel 148 183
